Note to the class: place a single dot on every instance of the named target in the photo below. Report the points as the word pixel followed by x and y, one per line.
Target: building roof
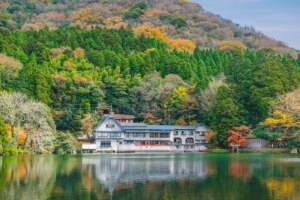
pixel 136 127
pixel 120 116
pixel 133 125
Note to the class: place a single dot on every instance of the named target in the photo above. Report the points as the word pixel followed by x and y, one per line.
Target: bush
pixel 141 5
pixel 136 11
pixel 11 151
pixel 179 22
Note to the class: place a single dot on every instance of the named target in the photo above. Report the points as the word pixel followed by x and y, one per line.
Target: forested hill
pixel 56 83
pixel 175 18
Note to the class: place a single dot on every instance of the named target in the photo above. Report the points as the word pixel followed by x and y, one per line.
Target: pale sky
pixel 278 19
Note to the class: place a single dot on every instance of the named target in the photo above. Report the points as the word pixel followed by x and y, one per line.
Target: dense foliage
pixel 76 72
pixel 177 18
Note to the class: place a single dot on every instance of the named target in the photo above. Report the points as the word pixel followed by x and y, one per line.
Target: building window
pixel 128 142
pixel 164 143
pixel 144 134
pixel 127 134
pixel 177 146
pixel 102 134
pixel 182 133
pixel 115 135
pixel 177 140
pixel 189 140
pixel 202 141
pixel 105 143
pixel 121 142
pixel 192 133
pixel 176 133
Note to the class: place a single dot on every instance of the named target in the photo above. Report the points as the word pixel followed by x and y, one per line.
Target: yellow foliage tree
pixel 179 44
pixel 284 115
pixel 231 46
pixel 86 15
pixel 79 52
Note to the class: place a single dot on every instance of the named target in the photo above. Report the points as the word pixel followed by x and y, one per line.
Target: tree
pixel 207 97
pixel 223 117
pixel 4 140
pixel 180 122
pixel 36 119
pixel 64 143
pixel 236 138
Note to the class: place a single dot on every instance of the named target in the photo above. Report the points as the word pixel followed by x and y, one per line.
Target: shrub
pixel 136 11
pixel 11 151
pixel 179 22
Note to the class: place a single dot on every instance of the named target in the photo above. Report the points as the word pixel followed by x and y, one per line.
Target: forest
pixel 56 83
pixel 177 18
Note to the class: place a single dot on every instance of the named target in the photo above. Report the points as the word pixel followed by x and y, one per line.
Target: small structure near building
pixel 257 143
pixel 85 144
pixel 235 148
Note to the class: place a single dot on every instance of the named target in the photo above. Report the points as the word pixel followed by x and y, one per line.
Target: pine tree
pixel 4 140
pixel 43 84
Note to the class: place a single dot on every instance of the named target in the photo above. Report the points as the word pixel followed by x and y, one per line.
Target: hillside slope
pixel 177 19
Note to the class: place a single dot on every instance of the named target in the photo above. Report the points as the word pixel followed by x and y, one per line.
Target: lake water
pixel 154 176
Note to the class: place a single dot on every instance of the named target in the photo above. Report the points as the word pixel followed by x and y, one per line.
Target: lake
pixel 150 176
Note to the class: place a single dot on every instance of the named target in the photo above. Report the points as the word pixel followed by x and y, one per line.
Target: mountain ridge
pixel 177 19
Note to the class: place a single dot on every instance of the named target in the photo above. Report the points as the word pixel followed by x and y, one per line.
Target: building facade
pixel 111 135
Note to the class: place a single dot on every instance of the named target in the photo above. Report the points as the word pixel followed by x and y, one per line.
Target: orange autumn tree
pixel 150 118
pixel 179 44
pixel 236 137
pixel 180 122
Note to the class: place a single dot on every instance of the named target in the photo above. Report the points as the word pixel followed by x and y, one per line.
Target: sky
pixel 278 19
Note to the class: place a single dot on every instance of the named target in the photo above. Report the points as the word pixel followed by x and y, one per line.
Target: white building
pixel 111 135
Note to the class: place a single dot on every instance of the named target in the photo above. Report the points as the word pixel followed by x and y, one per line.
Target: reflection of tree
pixel 240 170
pixel 283 188
pixel 27 177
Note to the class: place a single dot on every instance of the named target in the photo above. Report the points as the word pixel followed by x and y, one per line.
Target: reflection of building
pixel 116 170
pixel 138 137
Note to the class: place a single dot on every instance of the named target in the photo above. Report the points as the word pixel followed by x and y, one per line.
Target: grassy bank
pixel 264 150
pixel 217 151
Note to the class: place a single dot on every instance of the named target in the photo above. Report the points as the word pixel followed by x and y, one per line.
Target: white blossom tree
pixel 35 117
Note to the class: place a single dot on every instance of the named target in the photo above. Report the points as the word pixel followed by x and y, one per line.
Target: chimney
pixel 102 118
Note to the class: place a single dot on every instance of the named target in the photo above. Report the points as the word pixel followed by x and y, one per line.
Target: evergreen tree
pixel 4 140
pixel 223 117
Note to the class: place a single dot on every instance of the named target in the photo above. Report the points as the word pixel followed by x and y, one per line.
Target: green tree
pixel 4 140
pixel 223 117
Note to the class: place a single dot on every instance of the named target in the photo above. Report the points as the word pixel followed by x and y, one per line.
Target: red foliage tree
pixel 236 138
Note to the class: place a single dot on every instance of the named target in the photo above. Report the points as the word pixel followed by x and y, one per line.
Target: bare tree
pixel 207 97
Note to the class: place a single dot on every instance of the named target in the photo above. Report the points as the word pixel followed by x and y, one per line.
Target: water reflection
pixel 26 177
pixel 114 171
pixel 157 176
